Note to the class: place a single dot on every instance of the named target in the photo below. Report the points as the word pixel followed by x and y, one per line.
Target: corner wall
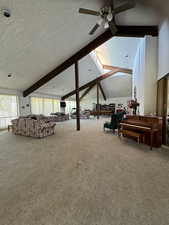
pixel 22 102
pixel 145 75
pixel 163 60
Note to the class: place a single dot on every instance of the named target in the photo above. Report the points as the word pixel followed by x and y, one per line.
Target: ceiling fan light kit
pixel 107 15
pixel 106 25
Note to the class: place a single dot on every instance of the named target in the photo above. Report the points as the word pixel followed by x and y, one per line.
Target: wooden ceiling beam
pixel 77 96
pixel 124 70
pixel 70 61
pixel 102 91
pixel 123 31
pixel 102 77
pixel 136 31
pixel 87 91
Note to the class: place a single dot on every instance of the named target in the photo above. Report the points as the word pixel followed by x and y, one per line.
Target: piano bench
pixel 130 133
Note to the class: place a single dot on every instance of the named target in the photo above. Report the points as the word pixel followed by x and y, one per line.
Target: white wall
pixel 24 106
pixel 138 77
pixel 120 100
pixel 163 49
pixel 150 84
pixel 22 109
pixel 145 75
pixel 9 91
pixel 88 103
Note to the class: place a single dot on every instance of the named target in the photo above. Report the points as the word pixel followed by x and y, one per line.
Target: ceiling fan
pixel 107 14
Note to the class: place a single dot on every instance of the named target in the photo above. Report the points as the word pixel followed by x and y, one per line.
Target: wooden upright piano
pixel 150 128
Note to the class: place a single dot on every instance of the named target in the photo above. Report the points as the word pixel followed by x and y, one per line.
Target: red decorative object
pixel 133 104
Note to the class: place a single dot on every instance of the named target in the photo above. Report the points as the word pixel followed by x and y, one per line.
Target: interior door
pixel 163 106
pixel 167 113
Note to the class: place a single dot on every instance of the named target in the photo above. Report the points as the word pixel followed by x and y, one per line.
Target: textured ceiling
pixel 40 35
pixel 119 51
pixel 113 52
pixel 43 33
pixel 119 85
pixel 65 82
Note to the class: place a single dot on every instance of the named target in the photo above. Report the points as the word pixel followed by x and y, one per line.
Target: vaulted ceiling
pixel 42 34
pixel 114 53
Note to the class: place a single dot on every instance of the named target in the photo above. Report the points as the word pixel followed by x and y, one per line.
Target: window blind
pixel 8 109
pixel 46 106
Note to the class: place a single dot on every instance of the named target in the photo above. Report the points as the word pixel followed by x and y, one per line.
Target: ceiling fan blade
pixel 129 5
pixel 89 12
pixel 113 27
pixel 93 30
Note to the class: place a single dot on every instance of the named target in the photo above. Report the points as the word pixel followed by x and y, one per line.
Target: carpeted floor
pixel 82 178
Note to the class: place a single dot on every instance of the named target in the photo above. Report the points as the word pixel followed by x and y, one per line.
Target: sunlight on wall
pixel 102 56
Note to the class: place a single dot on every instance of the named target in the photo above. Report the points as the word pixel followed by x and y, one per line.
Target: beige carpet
pixel 82 178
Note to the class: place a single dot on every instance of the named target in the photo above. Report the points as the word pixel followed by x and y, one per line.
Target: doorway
pixel 163 106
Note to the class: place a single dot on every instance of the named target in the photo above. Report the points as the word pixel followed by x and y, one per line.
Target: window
pixel 56 106
pixel 37 105
pixel 44 106
pixel 8 110
pixel 69 106
pixel 47 106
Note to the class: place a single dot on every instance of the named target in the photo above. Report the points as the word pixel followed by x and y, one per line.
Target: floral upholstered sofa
pixel 33 126
pixel 58 117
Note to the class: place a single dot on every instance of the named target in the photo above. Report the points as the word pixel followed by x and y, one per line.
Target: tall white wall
pixel 150 90
pixel 145 75
pixel 163 49
pixel 138 71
